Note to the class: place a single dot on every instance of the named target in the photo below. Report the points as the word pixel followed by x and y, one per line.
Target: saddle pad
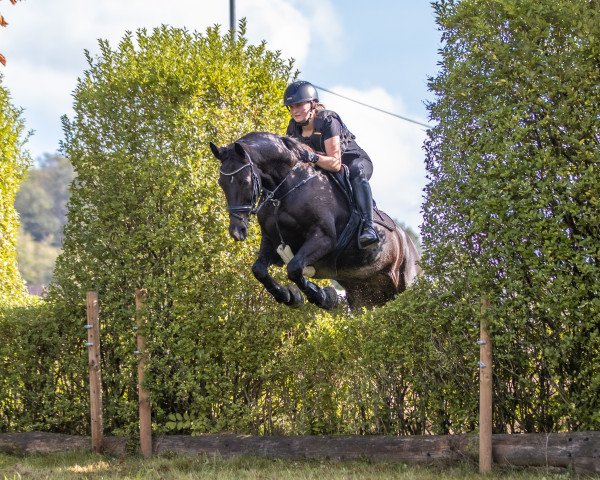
pixel 383 219
pixel 342 180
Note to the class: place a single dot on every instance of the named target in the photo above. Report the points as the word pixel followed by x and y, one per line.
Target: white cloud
pixel 284 27
pixel 45 41
pixel 326 31
pixel 394 146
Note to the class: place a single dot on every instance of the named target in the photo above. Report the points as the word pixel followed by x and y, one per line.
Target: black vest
pixel 316 139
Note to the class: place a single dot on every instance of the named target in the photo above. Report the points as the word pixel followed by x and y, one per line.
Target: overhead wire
pixel 375 108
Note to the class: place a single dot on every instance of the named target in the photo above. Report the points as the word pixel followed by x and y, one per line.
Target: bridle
pixel 254 206
pixel 235 210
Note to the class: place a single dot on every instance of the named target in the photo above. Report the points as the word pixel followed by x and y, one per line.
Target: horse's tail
pixel 410 268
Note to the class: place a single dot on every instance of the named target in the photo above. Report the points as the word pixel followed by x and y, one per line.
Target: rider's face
pixel 300 111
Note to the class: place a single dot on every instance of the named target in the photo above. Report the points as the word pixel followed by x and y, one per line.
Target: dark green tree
pixel 511 209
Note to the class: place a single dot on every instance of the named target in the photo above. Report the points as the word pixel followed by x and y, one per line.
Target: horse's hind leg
pixel 266 257
pixel 326 298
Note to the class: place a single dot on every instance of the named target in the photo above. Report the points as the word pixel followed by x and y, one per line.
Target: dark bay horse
pixel 300 206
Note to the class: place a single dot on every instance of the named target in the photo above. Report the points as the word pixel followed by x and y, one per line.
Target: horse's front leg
pixel 267 256
pixel 313 249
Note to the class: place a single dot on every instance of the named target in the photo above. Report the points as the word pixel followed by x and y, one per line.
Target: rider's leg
pixel 360 171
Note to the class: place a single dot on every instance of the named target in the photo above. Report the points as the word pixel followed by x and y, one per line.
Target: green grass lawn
pixel 82 465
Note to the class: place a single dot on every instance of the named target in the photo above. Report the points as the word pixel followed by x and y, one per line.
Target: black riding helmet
pixel 298 92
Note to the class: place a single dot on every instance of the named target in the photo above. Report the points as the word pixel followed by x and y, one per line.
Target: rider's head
pixel 301 98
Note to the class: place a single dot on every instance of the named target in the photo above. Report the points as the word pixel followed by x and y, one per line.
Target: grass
pixel 83 465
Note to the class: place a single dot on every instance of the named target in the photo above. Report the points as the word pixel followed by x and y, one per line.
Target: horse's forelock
pixel 229 154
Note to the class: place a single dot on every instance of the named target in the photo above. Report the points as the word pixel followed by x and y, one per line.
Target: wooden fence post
pixel 485 392
pixel 143 394
pixel 93 344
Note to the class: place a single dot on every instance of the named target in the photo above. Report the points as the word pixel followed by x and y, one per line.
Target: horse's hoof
pixel 296 298
pixel 332 298
pixel 282 295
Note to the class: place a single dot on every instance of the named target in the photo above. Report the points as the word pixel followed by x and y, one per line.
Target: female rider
pixel 330 144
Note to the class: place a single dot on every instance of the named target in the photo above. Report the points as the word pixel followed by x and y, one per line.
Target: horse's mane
pixel 272 146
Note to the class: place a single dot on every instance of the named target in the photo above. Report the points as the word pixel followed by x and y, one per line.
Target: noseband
pixel 235 210
pixel 252 207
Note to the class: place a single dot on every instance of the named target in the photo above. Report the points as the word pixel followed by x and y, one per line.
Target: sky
pixel 379 52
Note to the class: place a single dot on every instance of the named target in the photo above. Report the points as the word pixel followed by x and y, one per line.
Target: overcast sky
pixel 380 52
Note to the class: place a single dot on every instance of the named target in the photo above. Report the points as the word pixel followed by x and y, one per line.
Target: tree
pixel 13 165
pixel 36 259
pixel 146 212
pixel 511 209
pixel 41 203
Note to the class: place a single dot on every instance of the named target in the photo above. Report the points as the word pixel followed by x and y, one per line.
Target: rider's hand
pixel 308 156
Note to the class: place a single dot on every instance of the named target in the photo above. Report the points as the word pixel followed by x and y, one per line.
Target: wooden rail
pixel 579 451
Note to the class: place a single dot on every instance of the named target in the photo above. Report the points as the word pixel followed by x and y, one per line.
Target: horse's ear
pixel 289 142
pixel 215 150
pixel 292 144
pixel 239 149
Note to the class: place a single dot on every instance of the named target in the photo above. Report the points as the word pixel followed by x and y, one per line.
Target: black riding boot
pixel 364 202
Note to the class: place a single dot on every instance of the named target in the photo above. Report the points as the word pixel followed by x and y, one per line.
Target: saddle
pixel 341 179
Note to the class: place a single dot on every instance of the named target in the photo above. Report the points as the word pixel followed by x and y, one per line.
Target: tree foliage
pixel 146 212
pixel 42 199
pixel 511 209
pixel 510 214
pixel 14 162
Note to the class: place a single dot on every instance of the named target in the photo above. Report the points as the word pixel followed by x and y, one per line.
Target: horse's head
pixel 241 185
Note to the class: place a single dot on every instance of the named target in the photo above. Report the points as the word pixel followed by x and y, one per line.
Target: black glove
pixel 308 156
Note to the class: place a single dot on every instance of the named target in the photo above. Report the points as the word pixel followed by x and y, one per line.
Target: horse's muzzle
pixel 238 232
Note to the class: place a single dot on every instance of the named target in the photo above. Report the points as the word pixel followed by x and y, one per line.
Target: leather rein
pixel 259 192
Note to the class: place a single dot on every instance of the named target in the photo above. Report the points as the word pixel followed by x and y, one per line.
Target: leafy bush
pixel 511 210
pixel 146 212
pixel 43 370
pixel 510 214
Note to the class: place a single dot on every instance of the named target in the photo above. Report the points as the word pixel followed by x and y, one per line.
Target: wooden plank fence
pixel 579 451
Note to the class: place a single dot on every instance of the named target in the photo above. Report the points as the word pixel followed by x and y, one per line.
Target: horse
pixel 305 220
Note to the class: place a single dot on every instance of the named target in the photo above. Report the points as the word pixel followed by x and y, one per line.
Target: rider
pixel 323 132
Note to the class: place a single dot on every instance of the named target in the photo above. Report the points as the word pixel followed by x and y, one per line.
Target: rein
pixel 270 194
pixel 258 191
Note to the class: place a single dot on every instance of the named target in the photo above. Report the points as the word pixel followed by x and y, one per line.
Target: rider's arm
pixel 332 159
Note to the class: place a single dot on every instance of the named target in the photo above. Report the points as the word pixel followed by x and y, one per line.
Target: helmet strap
pixel 311 114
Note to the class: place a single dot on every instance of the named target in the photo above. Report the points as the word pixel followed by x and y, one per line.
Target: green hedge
pixel 43 371
pixel 511 210
pixel 510 213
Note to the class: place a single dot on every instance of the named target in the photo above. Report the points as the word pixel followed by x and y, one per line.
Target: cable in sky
pixel 375 108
